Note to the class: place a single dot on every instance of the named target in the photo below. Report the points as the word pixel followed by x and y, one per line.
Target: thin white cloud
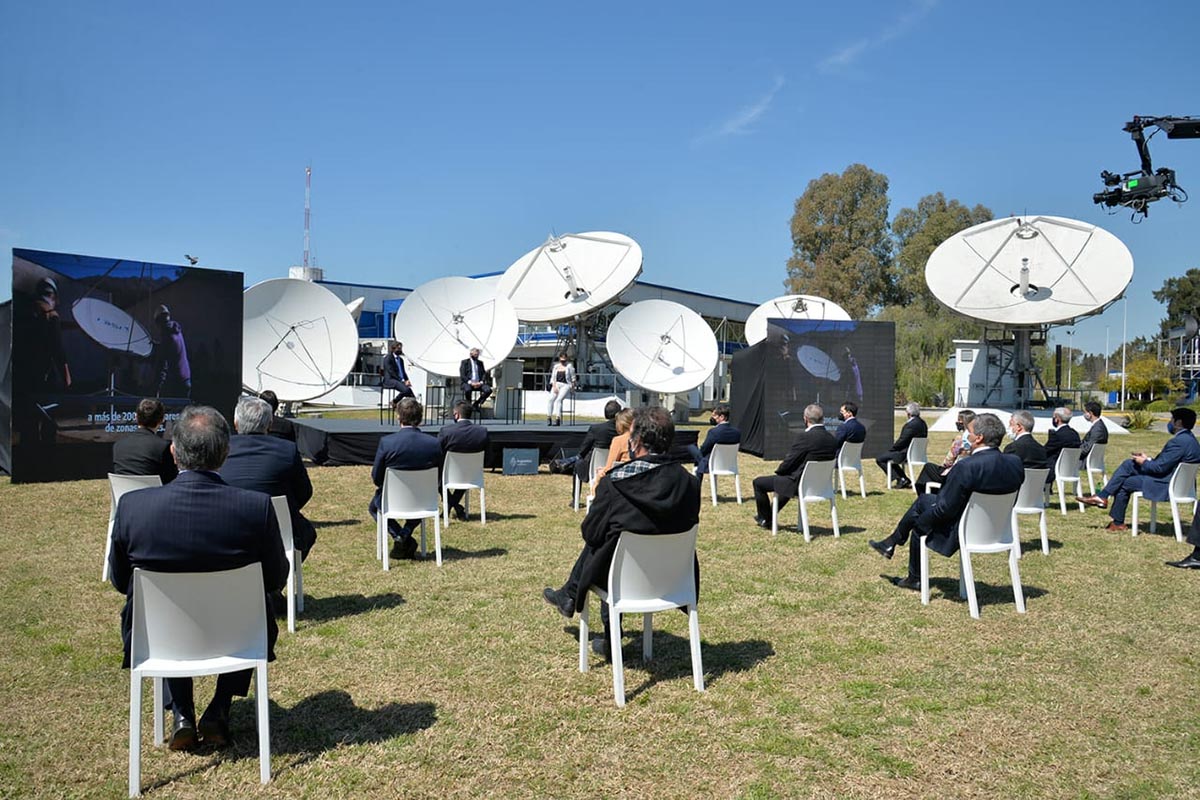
pixel 744 120
pixel 846 56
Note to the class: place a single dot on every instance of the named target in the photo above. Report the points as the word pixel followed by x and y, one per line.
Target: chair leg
pixel 1045 538
pixel 837 532
pixel 1018 592
pixel 482 507
pixel 924 568
pixel 291 591
pixel 1016 529
pixel 584 635
pixel 437 540
pixel 1062 497
pixel 774 515
pixel 446 505
pixel 1154 516
pixel 618 665
pixel 968 580
pixel 694 637
pixel 380 525
pixel 647 637
pixel 384 549
pixel 737 485
pixel 107 552
pixel 135 734
pixel 1178 522
pixel 1133 527
pixel 264 723
pixel 712 487
pixel 160 737
pixel 1091 483
pixel 862 484
pixel 842 482
pixel 800 501
pixel 423 539
pixel 576 490
pixel 299 582
pixel 887 485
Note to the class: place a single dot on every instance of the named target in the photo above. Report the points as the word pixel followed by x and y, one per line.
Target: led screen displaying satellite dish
pixel 92 337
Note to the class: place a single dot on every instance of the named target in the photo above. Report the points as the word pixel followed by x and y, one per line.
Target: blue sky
pixel 451 138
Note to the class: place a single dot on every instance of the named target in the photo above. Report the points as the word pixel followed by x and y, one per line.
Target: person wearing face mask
pixel 1061 437
pixel 1024 446
pixel 721 432
pixel 1150 476
pixel 395 376
pixel 1097 434
pixel 851 430
pixel 959 448
pixel 561 382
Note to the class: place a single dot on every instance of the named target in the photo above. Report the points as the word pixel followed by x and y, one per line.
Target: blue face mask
pixel 1171 427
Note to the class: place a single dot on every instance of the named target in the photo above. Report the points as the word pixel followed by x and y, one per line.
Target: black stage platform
pixel 338 442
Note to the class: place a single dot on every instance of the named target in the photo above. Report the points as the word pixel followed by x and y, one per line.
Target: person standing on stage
pixel 561 383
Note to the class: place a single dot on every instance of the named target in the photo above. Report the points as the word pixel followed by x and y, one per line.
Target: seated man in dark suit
pixel 1151 476
pixel 462 436
pixel 475 379
pixel 407 449
pixel 1024 446
pixel 1061 437
pixel 269 465
pixel 144 452
pixel 814 443
pixel 1097 434
pixel 914 428
pixel 197 523
pixel 599 435
pixel 960 448
pixel 721 433
pixel 936 515
pixel 649 494
pixel 281 427
pixel 851 430
pixel 395 376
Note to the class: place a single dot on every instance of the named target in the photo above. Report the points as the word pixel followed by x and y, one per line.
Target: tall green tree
pixel 924 343
pixel 841 249
pixel 1182 296
pixel 918 231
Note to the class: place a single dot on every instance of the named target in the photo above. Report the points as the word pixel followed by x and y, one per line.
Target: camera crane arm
pixel 1137 189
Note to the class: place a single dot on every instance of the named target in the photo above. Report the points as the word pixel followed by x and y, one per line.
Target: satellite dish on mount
pixel 111 327
pixel 570 275
pixel 1029 271
pixel 440 321
pixel 791 306
pixel 662 346
pixel 298 339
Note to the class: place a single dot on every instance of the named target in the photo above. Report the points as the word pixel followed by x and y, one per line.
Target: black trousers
pixel 178 696
pixel 899 456
pixel 483 391
pixel 767 484
pixel 930 473
pixel 905 528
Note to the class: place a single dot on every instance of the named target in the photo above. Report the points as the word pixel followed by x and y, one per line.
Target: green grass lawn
pixel 823 679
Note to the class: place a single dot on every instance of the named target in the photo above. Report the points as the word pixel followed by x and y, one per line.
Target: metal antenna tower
pixel 307 207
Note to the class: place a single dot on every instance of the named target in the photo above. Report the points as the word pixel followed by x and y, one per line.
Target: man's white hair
pixel 252 415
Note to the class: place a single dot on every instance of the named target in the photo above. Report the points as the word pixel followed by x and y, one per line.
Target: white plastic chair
pixel 1031 499
pixel 295 582
pixel 599 457
pixel 196 623
pixel 463 471
pixel 1095 464
pixel 816 486
pixel 915 459
pixel 850 458
pixel 723 460
pixel 649 573
pixel 117 486
pixel 1066 470
pixel 1182 489
pixel 985 527
pixel 408 494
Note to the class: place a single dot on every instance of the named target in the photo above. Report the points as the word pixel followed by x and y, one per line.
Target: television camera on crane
pixel 1137 189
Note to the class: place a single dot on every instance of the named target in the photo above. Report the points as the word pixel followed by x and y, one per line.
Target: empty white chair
pixel 816 486
pixel 985 527
pixel 1066 470
pixel 1182 489
pixel 598 458
pixel 1095 465
pixel 463 471
pixel 915 459
pixel 295 582
pixel 723 460
pixel 649 573
pixel 117 486
pixel 1031 499
pixel 850 458
pixel 409 494
pixel 196 623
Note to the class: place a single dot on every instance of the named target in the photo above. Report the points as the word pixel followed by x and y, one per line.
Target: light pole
pixel 1070 347
pixel 1124 336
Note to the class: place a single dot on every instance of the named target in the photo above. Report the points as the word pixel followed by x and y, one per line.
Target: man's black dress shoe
pixel 404 548
pixel 460 513
pixel 601 647
pixel 909 583
pixel 1191 562
pixel 885 550
pixel 560 600
pixel 214 727
pixel 762 523
pixel 183 734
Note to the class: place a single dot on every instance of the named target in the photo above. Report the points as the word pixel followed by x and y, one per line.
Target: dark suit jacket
pixel 987 471
pixel 196 523
pixel 1057 440
pixel 272 466
pixel 915 428
pixel 851 431
pixel 1179 449
pixel 406 449
pixel 1029 450
pixel 665 499
pixel 1097 434
pixel 464 373
pixel 814 444
pixel 463 436
pixel 282 428
pixel 599 435
pixel 143 452
pixel 394 374
pixel 723 433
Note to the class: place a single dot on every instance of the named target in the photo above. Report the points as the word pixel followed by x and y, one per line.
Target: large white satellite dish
pixel 662 346
pixel 570 275
pixel 1029 271
pixel 440 321
pixel 298 339
pixel 791 306
pixel 111 327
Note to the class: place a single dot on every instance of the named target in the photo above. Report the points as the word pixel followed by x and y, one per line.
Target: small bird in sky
pixel 191 259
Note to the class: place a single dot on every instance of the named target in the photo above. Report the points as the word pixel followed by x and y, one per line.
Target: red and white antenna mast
pixel 307 207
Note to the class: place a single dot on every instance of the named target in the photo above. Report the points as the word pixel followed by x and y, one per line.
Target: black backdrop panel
pixel 89 342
